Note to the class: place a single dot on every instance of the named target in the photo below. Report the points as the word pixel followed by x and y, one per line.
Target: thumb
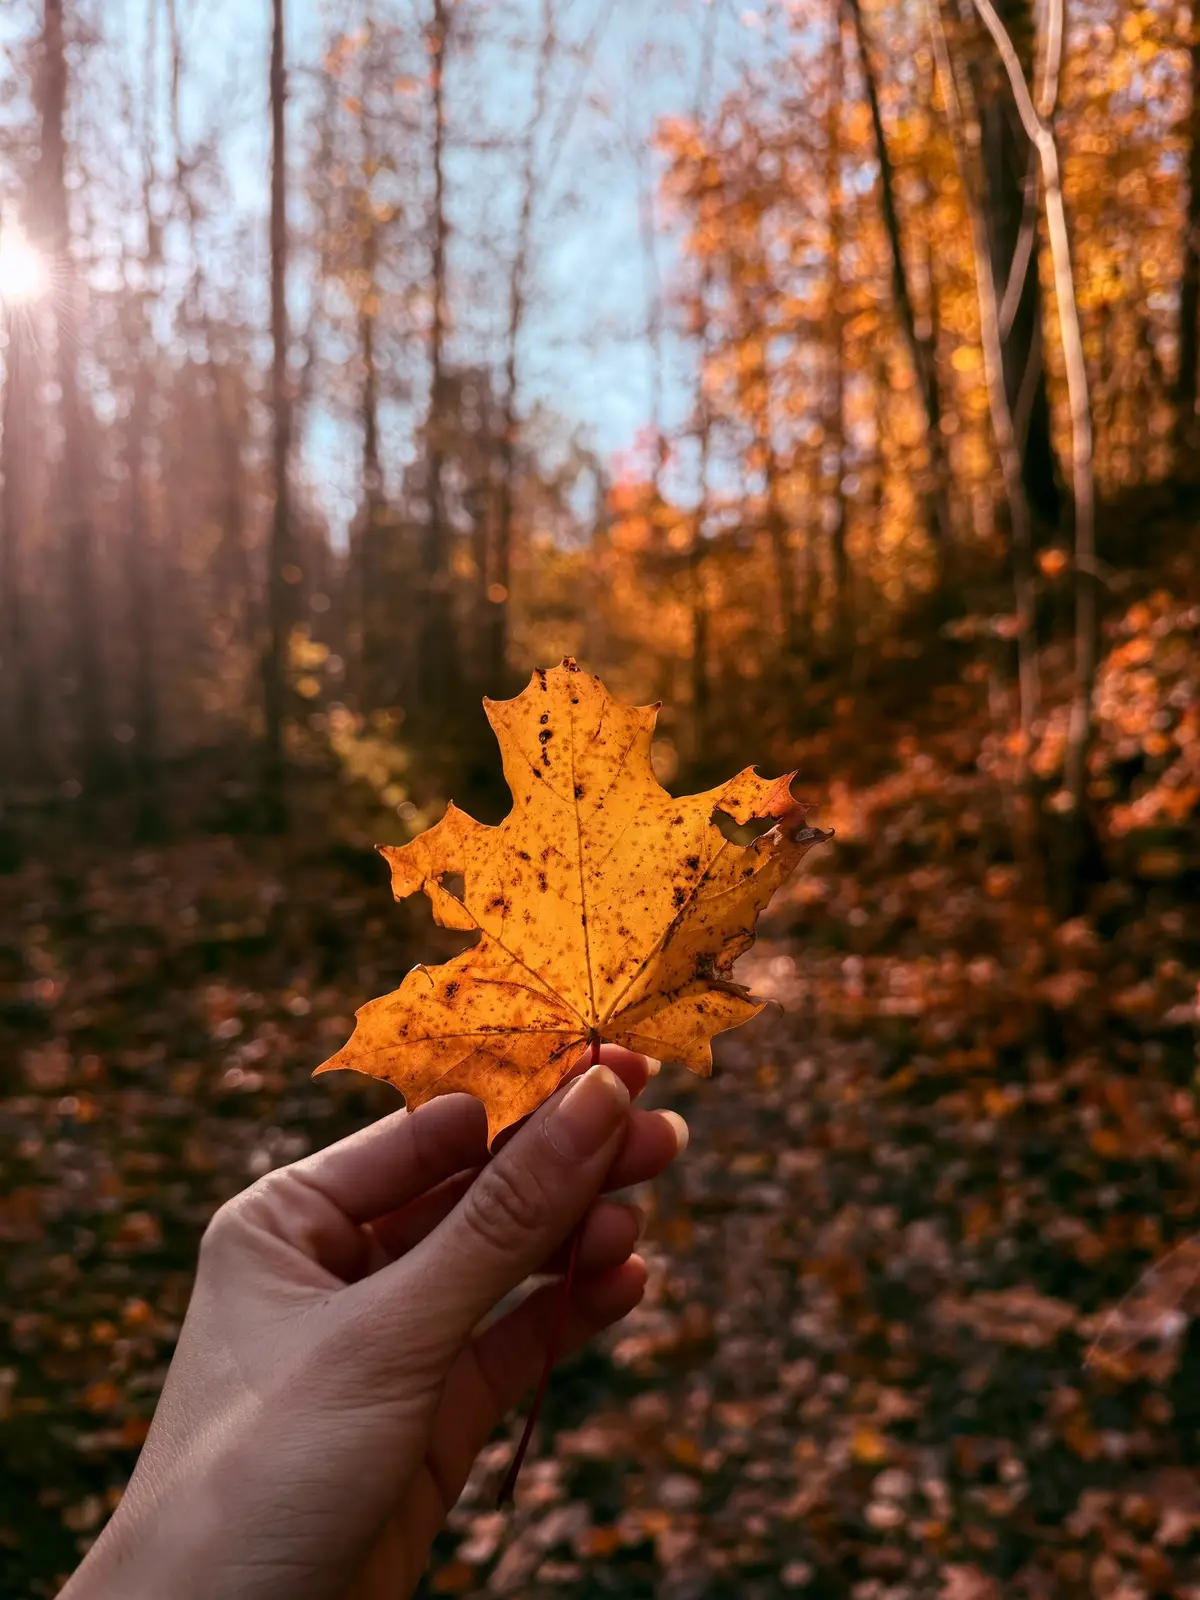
pixel 523 1204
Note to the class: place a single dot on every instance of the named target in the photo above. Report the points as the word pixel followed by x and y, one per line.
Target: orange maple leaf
pixel 607 910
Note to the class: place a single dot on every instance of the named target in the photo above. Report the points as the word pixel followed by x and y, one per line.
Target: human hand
pixel 332 1385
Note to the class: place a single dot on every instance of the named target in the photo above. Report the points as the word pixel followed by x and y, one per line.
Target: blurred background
pixel 826 369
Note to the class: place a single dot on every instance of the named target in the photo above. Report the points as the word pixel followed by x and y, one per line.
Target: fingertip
pixel 610 1230
pixel 634 1070
pixel 653 1141
pixel 511 1349
pixel 465 1112
pixel 385 1165
pixel 605 1297
pixel 679 1128
pixel 634 1270
pixel 589 1115
pixel 632 1276
pixel 618 1222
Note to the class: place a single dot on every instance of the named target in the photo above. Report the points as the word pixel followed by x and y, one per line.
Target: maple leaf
pixel 607 909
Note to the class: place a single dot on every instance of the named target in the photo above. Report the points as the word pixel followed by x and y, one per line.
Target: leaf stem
pixel 553 1349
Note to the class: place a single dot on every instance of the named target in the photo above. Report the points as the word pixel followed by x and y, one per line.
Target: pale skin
pixel 333 1384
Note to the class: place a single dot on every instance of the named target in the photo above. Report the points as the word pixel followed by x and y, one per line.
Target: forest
pixel 826 370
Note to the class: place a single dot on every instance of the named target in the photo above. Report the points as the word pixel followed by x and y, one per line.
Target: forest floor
pixel 880 1354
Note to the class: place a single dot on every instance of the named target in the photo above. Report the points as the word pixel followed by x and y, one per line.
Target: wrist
pixel 131 1559
pixel 167 1537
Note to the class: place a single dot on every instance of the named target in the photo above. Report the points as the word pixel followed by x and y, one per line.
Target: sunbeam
pixel 23 271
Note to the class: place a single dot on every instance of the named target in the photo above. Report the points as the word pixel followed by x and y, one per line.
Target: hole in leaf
pixel 739 832
pixel 456 940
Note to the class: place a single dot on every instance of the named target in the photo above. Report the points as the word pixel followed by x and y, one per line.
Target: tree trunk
pixel 141 587
pixel 697 596
pixel 373 587
pixel 499 589
pixel 843 622
pixel 279 550
pixel 835 427
pixel 437 668
pixel 1039 125
pixel 778 534
pixel 653 326
pixel 1189 283
pixel 21 737
pixel 23 743
pixel 141 591
pixel 230 429
pixel 370 554
pixel 920 346
pixel 234 577
pixel 701 692
pixel 754 313
pixel 88 691
pixel 966 136
pixel 1009 170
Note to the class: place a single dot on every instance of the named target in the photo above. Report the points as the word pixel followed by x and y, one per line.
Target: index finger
pixel 380 1168
pixel 385 1166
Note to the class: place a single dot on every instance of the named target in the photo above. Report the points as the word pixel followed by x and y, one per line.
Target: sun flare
pixel 23 274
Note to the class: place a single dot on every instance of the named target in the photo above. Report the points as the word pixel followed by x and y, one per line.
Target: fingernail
pixel 588 1114
pixel 654 1067
pixel 678 1127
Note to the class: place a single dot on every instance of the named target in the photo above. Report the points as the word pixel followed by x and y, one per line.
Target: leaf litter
pixel 907 1333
